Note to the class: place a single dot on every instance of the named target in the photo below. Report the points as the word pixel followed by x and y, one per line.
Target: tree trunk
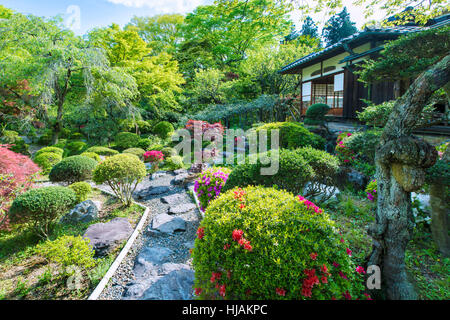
pixel 400 162
pixel 58 123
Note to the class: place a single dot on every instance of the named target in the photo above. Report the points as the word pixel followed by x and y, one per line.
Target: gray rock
pixel 176 285
pixel 147 261
pixel 179 179
pixel 173 199
pixel 168 224
pixel 158 175
pixel 189 244
pixel 153 191
pixel 167 268
pixel 328 192
pixel 105 237
pixel 180 171
pixel 348 175
pixel 85 211
pixel 181 208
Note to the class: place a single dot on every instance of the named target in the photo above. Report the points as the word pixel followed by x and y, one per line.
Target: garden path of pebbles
pixel 159 266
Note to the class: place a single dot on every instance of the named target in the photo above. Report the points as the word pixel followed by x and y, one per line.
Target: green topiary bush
pixel 156 147
pixel 73 169
pixel 61 144
pixel 125 140
pixel 42 207
pixel 49 149
pixel 76 136
pixel 145 143
pixel 136 151
pixel 293 173
pixel 169 152
pixel 264 244
pixel 315 114
pixel 47 160
pixel 102 151
pixel 91 155
pixel 82 190
pixel 293 135
pixel 68 251
pixel 163 129
pixel 122 173
pixel 174 163
pixel 75 148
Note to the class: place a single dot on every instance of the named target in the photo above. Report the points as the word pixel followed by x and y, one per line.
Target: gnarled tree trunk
pixel 400 161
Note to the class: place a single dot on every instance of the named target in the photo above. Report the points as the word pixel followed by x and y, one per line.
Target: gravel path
pixel 158 266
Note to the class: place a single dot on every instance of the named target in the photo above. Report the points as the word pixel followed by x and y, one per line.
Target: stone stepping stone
pixel 158 175
pixel 181 208
pixel 180 171
pixel 168 224
pixel 154 191
pixel 105 237
pixel 149 259
pixel 179 179
pixel 176 285
pixel 173 199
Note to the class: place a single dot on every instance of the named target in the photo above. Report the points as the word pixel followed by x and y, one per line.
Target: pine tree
pixel 338 27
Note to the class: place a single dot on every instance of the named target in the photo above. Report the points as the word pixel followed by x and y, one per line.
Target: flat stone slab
pixel 148 260
pixel 180 171
pixel 181 208
pixel 158 175
pixel 168 224
pixel 105 237
pixel 179 179
pixel 176 285
pixel 173 199
pixel 153 191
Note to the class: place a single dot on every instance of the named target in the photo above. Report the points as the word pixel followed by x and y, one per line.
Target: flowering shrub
pixel 121 173
pixel 262 243
pixel 343 152
pixel 155 158
pixel 371 190
pixel 17 173
pixel 209 185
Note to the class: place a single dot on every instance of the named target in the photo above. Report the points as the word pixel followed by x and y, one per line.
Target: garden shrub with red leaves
pixel 17 173
pixel 263 243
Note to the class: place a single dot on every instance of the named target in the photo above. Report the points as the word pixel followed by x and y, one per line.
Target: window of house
pixel 306 94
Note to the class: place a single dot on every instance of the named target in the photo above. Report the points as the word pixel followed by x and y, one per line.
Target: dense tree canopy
pixel 338 27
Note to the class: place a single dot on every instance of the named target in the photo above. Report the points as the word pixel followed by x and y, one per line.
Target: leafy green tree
pixel 309 28
pixel 338 27
pixel 235 26
pixel 161 32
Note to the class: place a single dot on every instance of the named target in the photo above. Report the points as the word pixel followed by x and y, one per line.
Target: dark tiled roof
pixel 390 31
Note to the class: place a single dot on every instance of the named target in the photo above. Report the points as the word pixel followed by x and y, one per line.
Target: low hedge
pixel 102 151
pixel 125 140
pixel 47 160
pixel 49 149
pixel 91 155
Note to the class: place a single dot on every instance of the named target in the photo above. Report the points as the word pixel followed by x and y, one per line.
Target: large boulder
pixel 85 211
pixel 165 223
pixel 105 237
pixel 349 176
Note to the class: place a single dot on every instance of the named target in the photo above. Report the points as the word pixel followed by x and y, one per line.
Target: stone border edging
pixel 123 253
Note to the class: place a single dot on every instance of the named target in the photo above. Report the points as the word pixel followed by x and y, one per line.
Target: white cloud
pixel 162 6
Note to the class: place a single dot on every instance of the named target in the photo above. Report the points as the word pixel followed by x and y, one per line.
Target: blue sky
pixel 100 13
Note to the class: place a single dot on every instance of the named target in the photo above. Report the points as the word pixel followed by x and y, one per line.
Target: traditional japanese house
pixel 328 76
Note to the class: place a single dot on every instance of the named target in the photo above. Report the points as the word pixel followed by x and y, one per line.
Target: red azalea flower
pixel 360 270
pixel 367 296
pixel 237 234
pixel 349 252
pixel 324 269
pixel 198 291
pixel 343 276
pixel 324 279
pixel 200 233
pixel 313 256
pixel 336 265
pixel 226 246
pixel 222 290
pixel 342 240
pixel 215 276
pixel 280 291
pixel 347 295
pixel 242 206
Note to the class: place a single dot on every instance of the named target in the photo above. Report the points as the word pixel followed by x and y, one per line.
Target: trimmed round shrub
pixel 102 151
pixel 73 169
pixel 174 163
pixel 144 144
pixel 293 135
pixel 169 152
pixel 75 148
pixel 122 173
pixel 315 114
pixel 91 155
pixel 68 251
pixel 61 144
pixel 125 140
pixel 163 129
pixel 47 160
pixel 76 136
pixel 266 244
pixel 209 185
pixel 292 175
pixel 42 207
pixel 136 151
pixel 82 190
pixel 49 149
pixel 156 147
